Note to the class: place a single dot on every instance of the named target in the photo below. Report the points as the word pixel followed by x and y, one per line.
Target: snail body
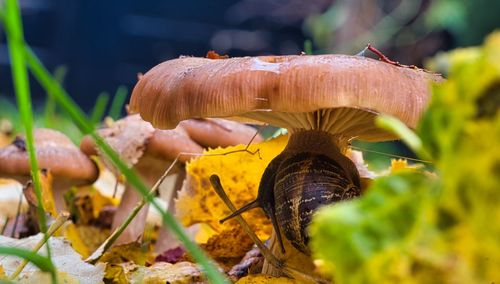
pixel 309 173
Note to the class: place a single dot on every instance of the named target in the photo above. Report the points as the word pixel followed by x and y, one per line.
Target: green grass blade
pixel 397 127
pixel 78 116
pixel 14 31
pixel 308 47
pixel 118 102
pixel 42 262
pixel 99 108
pixel 50 105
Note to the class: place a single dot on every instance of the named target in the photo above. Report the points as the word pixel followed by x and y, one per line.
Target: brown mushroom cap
pixel 133 138
pixel 219 132
pixel 339 94
pixel 55 152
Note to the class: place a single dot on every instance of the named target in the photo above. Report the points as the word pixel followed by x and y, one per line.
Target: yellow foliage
pixel 47 193
pixel 88 203
pixel 265 279
pixel 91 236
pixel 71 234
pixel 2 273
pixel 398 164
pixel 240 173
pixel 133 252
pixel 223 245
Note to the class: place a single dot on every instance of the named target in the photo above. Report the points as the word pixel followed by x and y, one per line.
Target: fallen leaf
pixel 163 272
pixel 87 203
pixel 134 252
pixel 65 259
pixel 171 255
pixel 48 202
pixel 240 173
pixel 265 279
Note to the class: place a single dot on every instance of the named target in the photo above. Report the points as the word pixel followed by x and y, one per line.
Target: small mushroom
pixel 324 101
pixel 55 153
pixel 150 151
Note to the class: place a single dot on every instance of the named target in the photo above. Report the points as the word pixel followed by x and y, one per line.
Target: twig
pixel 386 59
pixel 5 225
pixel 61 218
pixel 18 212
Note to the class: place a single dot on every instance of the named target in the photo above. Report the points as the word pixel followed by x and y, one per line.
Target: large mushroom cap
pixel 339 94
pixel 55 152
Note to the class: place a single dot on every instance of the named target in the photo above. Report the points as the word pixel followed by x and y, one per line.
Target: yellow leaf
pixel 71 234
pixel 133 252
pixel 88 203
pixel 115 274
pixel 398 164
pixel 47 193
pixel 240 175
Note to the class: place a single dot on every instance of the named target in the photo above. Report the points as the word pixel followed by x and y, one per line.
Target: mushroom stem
pixel 323 143
pixel 58 194
pixel 135 229
pixel 166 240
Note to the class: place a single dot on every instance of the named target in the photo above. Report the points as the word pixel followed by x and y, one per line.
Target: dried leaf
pixel 163 272
pixel 132 252
pixel 87 204
pixel 265 279
pixel 71 234
pixel 172 255
pixel 240 173
pixel 47 193
pixel 68 263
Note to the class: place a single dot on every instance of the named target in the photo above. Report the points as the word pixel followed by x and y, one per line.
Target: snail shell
pixel 303 183
pixel 309 173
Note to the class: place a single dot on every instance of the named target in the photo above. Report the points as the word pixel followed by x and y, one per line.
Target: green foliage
pixel 419 227
pixel 118 102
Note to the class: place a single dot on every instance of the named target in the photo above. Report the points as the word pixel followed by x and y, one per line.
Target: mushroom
pixel 150 151
pixel 324 101
pixel 56 153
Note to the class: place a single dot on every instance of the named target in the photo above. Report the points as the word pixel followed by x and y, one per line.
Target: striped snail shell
pixel 297 182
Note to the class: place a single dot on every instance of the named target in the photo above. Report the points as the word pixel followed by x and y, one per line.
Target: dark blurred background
pixel 104 44
pixel 97 46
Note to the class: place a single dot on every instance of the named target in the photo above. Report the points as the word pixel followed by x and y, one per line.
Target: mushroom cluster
pixel 324 101
pixel 151 151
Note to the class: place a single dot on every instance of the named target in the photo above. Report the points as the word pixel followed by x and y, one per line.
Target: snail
pixel 309 173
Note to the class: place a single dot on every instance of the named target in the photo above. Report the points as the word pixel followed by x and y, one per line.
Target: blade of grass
pixel 50 105
pixel 79 118
pixel 99 108
pixel 308 48
pixel 118 102
pixel 14 31
pixel 42 262
pixel 409 137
